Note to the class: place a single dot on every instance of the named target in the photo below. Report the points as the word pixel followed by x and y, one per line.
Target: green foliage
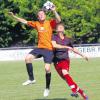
pixel 81 19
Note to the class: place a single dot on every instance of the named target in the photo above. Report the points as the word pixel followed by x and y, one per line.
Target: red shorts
pixel 64 64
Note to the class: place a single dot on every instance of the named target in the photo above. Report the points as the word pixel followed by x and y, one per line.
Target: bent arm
pixel 55 45
pixel 17 18
pixel 77 52
pixel 58 18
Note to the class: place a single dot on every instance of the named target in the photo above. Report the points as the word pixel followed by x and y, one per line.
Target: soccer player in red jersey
pixel 61 60
pixel 45 29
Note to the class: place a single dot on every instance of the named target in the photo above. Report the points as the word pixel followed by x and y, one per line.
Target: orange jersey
pixel 45 31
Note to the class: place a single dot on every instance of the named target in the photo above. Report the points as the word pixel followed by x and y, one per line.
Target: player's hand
pixel 53 8
pixel 85 57
pixel 11 13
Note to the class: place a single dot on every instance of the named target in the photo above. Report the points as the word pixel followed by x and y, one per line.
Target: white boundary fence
pixel 11 54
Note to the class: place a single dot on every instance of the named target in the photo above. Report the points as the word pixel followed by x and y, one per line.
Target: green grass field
pixel 13 74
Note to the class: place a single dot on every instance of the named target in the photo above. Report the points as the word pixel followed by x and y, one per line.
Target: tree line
pixel 80 17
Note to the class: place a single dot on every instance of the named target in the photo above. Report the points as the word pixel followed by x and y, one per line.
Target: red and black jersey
pixel 60 54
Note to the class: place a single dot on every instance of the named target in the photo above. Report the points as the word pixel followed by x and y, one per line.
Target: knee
pixel 47 69
pixel 64 72
pixel 28 59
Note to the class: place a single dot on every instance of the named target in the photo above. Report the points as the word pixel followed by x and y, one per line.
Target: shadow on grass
pixel 56 99
pixel 53 99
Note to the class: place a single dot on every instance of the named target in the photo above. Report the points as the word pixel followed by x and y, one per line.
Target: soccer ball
pixel 48 5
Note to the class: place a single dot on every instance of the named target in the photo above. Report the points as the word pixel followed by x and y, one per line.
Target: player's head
pixel 60 28
pixel 41 15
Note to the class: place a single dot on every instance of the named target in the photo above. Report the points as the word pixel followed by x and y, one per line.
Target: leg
pixel 69 81
pixel 48 56
pixel 74 87
pixel 64 73
pixel 48 79
pixel 29 68
pixel 48 75
pixel 59 71
pixel 64 64
pixel 32 55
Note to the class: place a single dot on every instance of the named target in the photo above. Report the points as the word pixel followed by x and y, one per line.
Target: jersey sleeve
pixel 32 24
pixel 53 38
pixel 53 23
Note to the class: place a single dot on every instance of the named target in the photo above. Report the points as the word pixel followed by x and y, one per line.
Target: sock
pixel 30 71
pixel 82 93
pixel 71 83
pixel 74 86
pixel 48 80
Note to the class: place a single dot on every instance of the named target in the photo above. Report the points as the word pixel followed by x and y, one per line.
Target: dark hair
pixel 58 24
pixel 40 10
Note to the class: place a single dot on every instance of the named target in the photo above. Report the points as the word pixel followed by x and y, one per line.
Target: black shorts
pixel 45 53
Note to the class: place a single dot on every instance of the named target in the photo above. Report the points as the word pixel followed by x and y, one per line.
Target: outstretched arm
pixel 77 52
pixel 56 14
pixel 55 45
pixel 17 18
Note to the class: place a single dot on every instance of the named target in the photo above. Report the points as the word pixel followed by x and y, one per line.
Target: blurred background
pixel 81 19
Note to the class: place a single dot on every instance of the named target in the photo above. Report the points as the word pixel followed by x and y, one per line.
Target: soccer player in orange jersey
pixel 61 60
pixel 44 29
